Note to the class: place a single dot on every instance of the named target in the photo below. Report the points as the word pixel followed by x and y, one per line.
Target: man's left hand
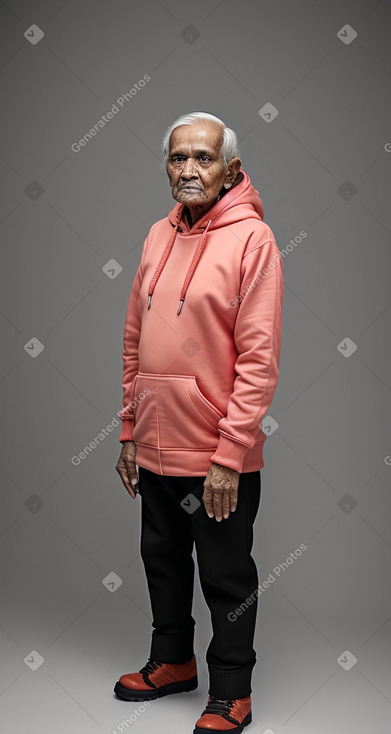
pixel 220 491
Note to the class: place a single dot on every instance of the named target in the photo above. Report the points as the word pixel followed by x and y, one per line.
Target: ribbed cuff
pixel 127 429
pixel 230 454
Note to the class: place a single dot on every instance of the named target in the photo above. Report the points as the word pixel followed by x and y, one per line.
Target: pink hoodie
pixel 202 338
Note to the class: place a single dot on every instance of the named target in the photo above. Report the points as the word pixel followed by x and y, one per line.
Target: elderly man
pixel 201 358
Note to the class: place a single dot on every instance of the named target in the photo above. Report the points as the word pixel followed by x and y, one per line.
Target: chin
pixel 189 200
pixel 192 198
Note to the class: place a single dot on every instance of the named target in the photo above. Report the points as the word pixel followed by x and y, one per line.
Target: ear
pixel 234 167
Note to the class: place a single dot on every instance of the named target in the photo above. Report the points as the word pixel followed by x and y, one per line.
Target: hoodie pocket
pixel 174 413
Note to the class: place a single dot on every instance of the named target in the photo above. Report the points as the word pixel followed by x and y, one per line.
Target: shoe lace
pixel 218 705
pixel 150 667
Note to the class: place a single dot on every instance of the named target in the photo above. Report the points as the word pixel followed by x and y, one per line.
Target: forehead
pixel 194 136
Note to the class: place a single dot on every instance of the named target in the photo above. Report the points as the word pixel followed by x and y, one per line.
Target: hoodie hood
pixel 241 201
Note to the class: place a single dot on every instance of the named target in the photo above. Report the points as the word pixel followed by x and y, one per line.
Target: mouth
pixel 190 188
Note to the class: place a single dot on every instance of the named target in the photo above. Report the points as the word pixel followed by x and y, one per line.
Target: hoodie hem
pixel 191 462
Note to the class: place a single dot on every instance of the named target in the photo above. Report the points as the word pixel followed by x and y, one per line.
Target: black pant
pixel 227 571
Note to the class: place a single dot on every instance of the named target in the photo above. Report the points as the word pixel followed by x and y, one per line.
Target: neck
pixel 194 213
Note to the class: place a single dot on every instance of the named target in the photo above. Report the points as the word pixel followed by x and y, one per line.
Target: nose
pixel 188 170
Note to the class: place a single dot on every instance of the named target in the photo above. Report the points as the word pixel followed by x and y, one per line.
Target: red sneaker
pixel 229 715
pixel 155 680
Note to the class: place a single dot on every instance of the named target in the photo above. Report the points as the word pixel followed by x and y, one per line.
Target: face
pixel 195 167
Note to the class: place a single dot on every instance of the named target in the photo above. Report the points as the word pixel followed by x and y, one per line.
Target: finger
pixel 218 506
pixel 131 470
pixel 226 504
pixel 129 488
pixel 234 500
pixel 134 484
pixel 208 508
pixel 126 482
pixel 207 500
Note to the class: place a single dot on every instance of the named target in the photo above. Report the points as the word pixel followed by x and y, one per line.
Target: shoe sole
pixel 127 694
pixel 247 720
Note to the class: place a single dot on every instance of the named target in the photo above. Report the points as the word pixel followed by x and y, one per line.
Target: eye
pixel 205 158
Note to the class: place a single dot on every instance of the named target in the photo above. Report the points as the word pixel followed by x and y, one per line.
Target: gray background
pixel 321 166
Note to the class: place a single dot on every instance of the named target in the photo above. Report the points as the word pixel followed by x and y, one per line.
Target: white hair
pixel 229 148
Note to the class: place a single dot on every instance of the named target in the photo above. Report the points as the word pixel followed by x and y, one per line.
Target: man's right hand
pixel 126 467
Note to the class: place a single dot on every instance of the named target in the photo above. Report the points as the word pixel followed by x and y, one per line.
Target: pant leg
pixel 166 549
pixel 228 576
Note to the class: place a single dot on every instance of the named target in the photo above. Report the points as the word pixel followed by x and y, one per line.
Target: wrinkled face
pixel 195 168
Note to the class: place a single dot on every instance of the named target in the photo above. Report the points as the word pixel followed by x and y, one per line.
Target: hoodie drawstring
pixel 193 265
pixel 162 263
